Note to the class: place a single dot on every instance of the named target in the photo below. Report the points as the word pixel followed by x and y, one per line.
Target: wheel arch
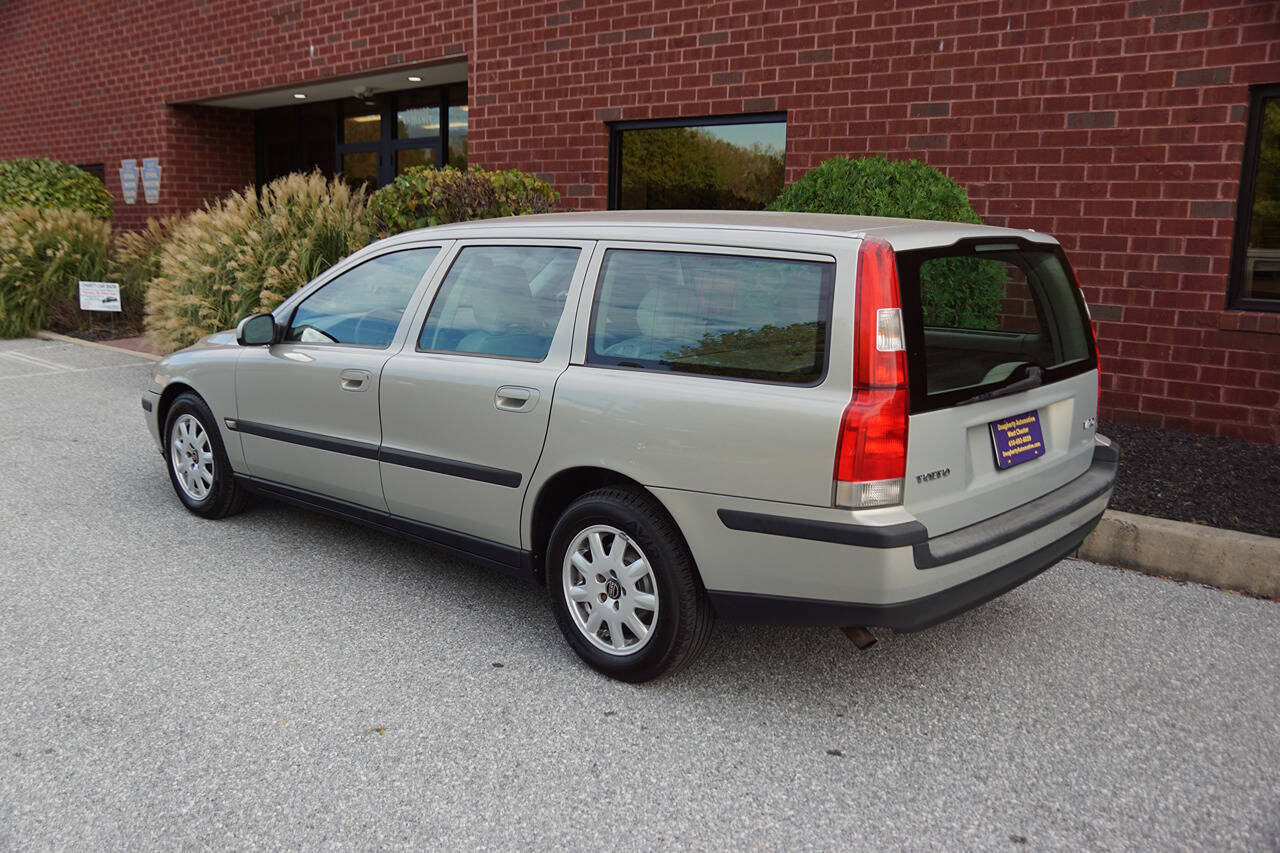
pixel 563 488
pixel 170 393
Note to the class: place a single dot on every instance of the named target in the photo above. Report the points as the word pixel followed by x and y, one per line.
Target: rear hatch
pixel 1002 373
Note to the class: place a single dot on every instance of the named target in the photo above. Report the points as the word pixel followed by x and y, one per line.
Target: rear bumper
pixel 911 615
pixel 896 575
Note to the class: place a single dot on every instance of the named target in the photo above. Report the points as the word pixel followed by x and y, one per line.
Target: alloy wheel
pixel 610 590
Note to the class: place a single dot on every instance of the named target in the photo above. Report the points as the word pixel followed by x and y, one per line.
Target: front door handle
pixel 515 398
pixel 354 380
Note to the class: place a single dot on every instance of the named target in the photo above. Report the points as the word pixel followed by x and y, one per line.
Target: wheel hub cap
pixel 191 457
pixel 610 589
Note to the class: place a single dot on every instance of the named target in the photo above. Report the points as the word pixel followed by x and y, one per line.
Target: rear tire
pixel 197 460
pixel 624 588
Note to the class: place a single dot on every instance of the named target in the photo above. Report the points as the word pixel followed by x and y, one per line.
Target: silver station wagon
pixel 668 417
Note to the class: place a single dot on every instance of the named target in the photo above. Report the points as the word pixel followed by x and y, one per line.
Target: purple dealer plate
pixel 1017 439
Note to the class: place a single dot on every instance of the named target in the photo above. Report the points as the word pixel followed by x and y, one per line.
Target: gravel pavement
pixel 281 679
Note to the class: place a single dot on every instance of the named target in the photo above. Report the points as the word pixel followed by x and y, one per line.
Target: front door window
pixel 363 306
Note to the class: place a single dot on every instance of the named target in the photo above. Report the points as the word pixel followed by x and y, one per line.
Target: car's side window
pixel 501 301
pixel 723 315
pixel 363 305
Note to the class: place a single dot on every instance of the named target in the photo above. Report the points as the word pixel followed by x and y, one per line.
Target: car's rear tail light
pixel 871 452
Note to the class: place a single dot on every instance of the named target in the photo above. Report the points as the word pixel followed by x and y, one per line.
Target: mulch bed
pixel 1221 482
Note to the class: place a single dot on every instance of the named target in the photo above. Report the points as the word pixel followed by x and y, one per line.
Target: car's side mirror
pixel 256 331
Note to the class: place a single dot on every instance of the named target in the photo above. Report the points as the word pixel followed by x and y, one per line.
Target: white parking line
pixel 63 371
pixel 32 360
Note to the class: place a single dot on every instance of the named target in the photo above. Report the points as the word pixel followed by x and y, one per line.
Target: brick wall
pixel 1116 126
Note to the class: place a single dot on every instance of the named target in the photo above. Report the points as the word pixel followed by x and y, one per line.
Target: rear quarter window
pixel 732 316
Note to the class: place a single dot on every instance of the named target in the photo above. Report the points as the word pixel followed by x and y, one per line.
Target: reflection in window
pixel 409 157
pixel 719 315
pixel 713 166
pixel 458 127
pixel 418 114
pixel 501 301
pixel 361 121
pixel 361 169
pixel 1258 273
pixel 363 305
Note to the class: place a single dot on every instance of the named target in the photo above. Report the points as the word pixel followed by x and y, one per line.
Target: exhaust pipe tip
pixel 859 636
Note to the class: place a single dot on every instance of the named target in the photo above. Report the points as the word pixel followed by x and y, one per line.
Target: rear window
pixel 981 316
pixel 733 316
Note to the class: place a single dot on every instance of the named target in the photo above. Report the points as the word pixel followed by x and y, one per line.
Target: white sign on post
pixel 99 296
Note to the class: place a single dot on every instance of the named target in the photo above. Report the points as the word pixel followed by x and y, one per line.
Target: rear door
pixel 465 404
pixel 1003 378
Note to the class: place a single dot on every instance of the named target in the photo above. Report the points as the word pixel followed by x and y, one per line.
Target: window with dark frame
pixel 1255 253
pixel 369 140
pixel 714 163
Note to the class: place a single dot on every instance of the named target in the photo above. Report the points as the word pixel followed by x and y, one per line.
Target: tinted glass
pixel 501 300
pixel 360 169
pixel 418 114
pixel 363 305
pixel 408 157
pixel 458 126
pixel 361 122
pixel 720 315
pixel 725 167
pixel 1262 257
pixel 986 316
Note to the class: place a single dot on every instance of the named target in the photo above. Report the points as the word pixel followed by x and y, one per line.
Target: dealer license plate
pixel 1017 439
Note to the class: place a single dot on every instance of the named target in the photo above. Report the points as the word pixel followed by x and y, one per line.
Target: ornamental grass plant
pixel 44 253
pixel 249 251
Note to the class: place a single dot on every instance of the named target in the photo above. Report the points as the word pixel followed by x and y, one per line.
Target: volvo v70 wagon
pixel 668 417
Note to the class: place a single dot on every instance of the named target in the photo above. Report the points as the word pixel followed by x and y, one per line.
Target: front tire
pixel 624 587
pixel 197 461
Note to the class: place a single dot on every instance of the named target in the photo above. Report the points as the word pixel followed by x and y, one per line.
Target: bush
pixel 249 251
pixel 955 294
pixel 43 256
pixel 135 261
pixel 50 184
pixel 421 197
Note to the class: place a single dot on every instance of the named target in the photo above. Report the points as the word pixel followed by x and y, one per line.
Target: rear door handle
pixel 515 398
pixel 354 380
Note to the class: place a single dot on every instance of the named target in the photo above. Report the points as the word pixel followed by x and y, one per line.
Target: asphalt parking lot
pixel 282 679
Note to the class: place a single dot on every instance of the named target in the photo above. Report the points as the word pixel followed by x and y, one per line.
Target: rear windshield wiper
pixel 1033 379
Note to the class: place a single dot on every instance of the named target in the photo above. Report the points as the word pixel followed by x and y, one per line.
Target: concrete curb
pixel 67 339
pixel 1227 559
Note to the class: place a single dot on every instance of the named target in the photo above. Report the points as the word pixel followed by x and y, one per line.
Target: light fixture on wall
pixel 415 79
pixel 299 96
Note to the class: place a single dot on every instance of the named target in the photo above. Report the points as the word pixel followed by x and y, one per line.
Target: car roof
pixel 902 234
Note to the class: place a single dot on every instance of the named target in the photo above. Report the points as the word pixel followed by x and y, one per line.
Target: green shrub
pixel 50 184
pixel 249 251
pixel 955 293
pixel 421 197
pixel 44 253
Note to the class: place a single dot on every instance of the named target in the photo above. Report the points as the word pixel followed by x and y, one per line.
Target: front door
pixel 307 407
pixel 465 406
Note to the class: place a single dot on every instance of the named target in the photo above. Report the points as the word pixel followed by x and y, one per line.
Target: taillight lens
pixel 871 452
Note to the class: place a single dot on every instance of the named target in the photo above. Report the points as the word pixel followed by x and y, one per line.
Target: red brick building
pixel 1136 131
